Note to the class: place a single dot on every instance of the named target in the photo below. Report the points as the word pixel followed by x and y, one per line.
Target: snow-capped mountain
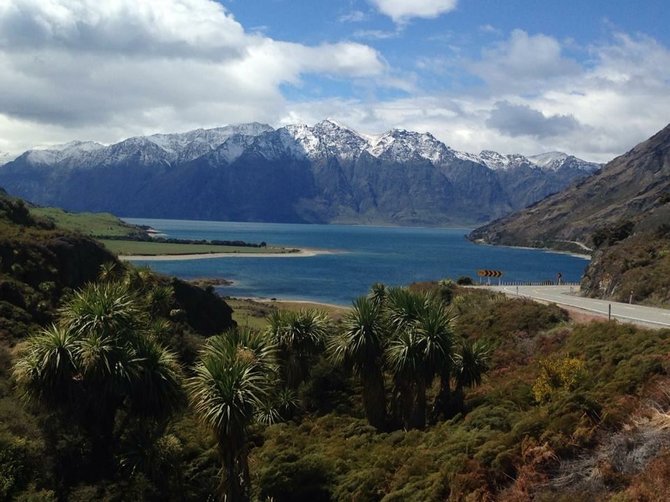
pixel 325 139
pixel 193 144
pixel 321 173
pixel 552 161
pixel 74 150
pixel 399 145
pixel 558 160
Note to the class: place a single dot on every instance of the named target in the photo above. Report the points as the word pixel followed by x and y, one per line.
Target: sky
pixel 589 78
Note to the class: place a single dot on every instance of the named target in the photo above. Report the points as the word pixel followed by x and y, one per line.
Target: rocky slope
pixel 324 173
pixel 634 186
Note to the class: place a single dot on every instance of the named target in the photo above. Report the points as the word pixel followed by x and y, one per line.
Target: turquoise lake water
pixel 366 254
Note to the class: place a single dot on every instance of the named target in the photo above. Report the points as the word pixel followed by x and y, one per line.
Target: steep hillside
pixel 635 268
pixel 321 174
pixel 40 263
pixel 633 187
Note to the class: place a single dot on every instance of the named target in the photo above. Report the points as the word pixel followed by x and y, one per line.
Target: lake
pixel 365 255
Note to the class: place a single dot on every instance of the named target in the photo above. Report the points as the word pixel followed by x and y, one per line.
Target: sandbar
pixel 301 253
pixel 309 303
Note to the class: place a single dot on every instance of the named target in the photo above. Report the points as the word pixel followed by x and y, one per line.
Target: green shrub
pixel 293 476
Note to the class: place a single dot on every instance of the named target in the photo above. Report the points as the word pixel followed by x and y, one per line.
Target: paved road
pixel 567 295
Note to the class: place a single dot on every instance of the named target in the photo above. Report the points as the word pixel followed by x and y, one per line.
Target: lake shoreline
pixel 300 253
pixel 307 303
pixel 482 242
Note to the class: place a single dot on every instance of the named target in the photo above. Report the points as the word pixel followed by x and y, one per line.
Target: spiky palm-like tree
pixel 419 351
pixel 47 369
pixel 231 384
pixel 361 345
pixel 436 333
pixel 378 292
pixel 299 336
pixel 98 360
pixel 404 308
pixel 160 298
pixel 404 359
pixel 471 361
pixel 109 271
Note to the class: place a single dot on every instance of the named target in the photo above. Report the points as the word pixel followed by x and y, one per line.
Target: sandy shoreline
pixel 261 299
pixel 301 253
pixel 482 242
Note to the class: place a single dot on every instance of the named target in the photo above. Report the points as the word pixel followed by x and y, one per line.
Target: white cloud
pixel 106 70
pixel 524 61
pixel 403 10
pixel 356 16
pixel 595 111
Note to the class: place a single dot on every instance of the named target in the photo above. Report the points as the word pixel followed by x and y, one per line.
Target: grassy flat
pixel 93 224
pixel 250 313
pixel 254 313
pixel 142 248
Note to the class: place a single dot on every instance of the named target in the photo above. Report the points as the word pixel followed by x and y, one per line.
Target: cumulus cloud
pixel 151 65
pixel 403 10
pixel 524 61
pixel 522 120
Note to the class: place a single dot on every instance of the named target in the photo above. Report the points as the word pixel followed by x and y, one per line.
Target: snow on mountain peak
pixel 193 144
pixel 73 151
pixel 401 145
pixel 548 159
pixel 494 160
pixel 325 139
pixel 553 161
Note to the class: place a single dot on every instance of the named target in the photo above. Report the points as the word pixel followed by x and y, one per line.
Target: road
pixel 567 296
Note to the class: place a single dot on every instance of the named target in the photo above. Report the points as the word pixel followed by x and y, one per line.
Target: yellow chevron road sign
pixel 489 273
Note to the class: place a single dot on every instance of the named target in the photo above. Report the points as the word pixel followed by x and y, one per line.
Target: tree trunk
pixel 418 418
pixel 99 423
pixel 374 398
pixel 442 400
pixel 457 402
pixel 233 485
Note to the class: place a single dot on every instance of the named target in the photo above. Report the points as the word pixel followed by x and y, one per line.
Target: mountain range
pixel 326 173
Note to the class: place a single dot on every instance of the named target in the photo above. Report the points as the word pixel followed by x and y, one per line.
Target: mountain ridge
pixel 634 186
pixel 297 173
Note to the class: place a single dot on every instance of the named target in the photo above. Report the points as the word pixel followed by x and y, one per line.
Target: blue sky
pixel 590 78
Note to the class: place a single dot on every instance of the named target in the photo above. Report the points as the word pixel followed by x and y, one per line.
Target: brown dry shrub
pixel 471 484
pixel 651 484
pixel 536 462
